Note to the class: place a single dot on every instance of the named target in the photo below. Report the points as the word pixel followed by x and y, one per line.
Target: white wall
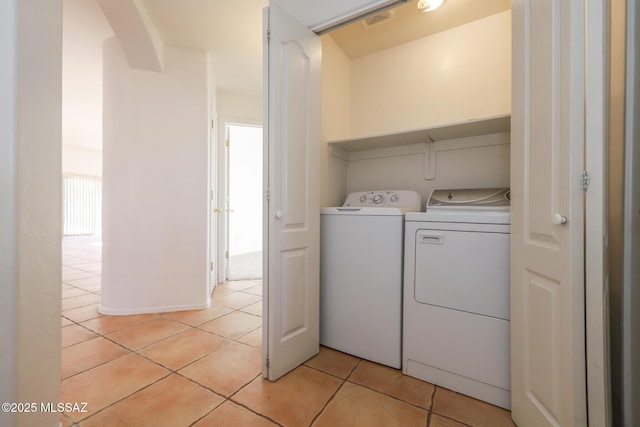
pixel 82 160
pixel 84 30
pixel 240 106
pixel 336 78
pixel 30 220
pixel 8 210
pixel 456 75
pixel 155 184
pixel 453 76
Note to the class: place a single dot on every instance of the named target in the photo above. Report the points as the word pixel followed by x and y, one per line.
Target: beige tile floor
pixel 203 368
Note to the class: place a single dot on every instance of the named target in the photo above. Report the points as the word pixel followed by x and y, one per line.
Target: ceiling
pixel 232 32
pixel 407 23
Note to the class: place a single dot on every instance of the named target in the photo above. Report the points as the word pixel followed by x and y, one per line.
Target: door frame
pixel 597 92
pixel 212 251
pixel 222 177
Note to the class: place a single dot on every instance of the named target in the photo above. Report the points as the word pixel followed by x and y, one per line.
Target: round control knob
pixel 377 199
pixel 363 198
pixel 394 198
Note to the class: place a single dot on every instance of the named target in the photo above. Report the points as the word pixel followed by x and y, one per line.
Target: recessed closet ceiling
pixel 407 24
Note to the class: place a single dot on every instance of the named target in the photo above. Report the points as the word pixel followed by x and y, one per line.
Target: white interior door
pixel 292 55
pixel 547 279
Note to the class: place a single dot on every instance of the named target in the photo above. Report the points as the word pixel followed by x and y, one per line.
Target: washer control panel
pixel 403 199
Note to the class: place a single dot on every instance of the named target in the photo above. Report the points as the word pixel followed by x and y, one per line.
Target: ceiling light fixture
pixel 429 5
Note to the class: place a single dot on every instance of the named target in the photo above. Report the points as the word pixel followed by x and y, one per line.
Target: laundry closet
pixel 430 113
pixel 427 117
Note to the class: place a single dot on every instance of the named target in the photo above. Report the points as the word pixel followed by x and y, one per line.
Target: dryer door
pixel 463 270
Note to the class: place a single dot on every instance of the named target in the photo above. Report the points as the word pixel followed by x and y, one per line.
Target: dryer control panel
pixel 407 200
pixel 497 199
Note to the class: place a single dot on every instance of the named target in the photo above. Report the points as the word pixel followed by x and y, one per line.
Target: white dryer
pixel 361 265
pixel 456 293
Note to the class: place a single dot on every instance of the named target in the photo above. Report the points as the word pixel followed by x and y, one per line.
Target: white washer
pixel 456 293
pixel 361 264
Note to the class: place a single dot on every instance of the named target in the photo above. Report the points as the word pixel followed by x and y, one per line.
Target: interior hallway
pixel 203 368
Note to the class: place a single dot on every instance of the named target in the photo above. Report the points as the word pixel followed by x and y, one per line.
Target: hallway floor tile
pixel 204 368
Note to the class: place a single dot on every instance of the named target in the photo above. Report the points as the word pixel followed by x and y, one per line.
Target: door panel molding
pixel 547 278
pixel 291 280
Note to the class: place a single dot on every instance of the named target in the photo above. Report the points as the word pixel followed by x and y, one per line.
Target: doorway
pixel 242 192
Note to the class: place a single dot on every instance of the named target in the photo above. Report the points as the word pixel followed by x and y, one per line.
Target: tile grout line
pixel 130 351
pixel 344 381
pixel 432 412
pixel 247 407
pixel 196 327
pixel 347 379
pixel 176 372
pixel 229 398
pixel 124 398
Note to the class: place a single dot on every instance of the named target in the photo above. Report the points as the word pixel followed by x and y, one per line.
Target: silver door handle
pixel 558 219
pixel 279 215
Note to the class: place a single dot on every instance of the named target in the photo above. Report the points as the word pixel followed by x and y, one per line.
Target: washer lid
pixel 497 199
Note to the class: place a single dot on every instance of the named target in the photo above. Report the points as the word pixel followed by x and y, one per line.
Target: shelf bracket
pixel 338 152
pixel 429 169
